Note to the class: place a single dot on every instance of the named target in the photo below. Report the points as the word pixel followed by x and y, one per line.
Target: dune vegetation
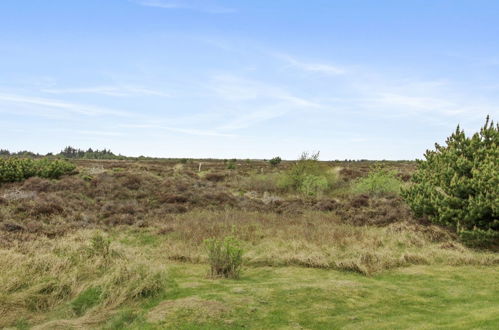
pixel 126 243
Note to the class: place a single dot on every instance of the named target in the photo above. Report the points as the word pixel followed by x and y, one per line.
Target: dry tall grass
pixel 41 276
pixel 316 239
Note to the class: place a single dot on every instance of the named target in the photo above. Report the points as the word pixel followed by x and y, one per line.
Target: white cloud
pixel 199 5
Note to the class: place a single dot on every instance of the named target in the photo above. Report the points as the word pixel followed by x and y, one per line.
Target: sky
pixel 246 79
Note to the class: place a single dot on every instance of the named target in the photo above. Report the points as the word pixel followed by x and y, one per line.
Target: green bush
pixel 225 257
pixel 18 169
pixel 308 176
pixel 275 161
pixel 457 185
pixel 379 182
pixel 231 165
pixel 53 168
pixel 313 185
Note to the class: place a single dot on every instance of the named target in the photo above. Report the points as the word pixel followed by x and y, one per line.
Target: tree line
pixel 68 152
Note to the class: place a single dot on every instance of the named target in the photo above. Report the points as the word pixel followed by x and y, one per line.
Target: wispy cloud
pixel 420 96
pixel 255 117
pixel 200 132
pixel 109 91
pixel 199 5
pixel 41 105
pixel 234 88
pixel 99 133
pixel 252 102
pixel 323 68
pixel 189 131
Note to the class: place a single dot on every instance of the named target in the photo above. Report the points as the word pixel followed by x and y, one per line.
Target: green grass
pixel 418 297
pixel 137 282
pixel 86 300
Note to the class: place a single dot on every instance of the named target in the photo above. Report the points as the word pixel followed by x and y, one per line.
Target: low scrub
pixel 225 257
pixel 379 182
pixel 308 176
pixel 260 183
pixel 18 169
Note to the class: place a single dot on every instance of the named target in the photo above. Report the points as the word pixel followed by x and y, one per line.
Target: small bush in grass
pixel 231 165
pixel 225 257
pixel 275 161
pixel 378 182
pixel 313 185
pixel 101 246
pixel 308 176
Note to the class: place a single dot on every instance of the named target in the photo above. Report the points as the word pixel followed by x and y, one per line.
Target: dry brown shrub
pixel 132 182
pixel 13 227
pixel 215 177
pixel 190 174
pixel 378 211
pixel 116 207
pixel 349 174
pixel 46 204
pixel 119 219
pixel 218 198
pixel 69 183
pixel 327 205
pixel 452 246
pixel 34 226
pixel 173 198
pixel 38 184
pixel 359 201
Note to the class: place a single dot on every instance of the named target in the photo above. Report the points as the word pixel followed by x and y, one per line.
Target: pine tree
pixel 457 185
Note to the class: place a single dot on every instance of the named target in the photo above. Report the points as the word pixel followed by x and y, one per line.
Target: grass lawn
pixel 418 297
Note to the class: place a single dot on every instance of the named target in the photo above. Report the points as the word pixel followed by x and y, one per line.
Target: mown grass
pixel 419 297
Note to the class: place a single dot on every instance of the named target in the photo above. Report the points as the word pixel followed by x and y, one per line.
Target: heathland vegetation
pixel 147 243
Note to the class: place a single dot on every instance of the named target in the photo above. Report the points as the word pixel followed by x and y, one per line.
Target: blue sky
pixel 246 79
